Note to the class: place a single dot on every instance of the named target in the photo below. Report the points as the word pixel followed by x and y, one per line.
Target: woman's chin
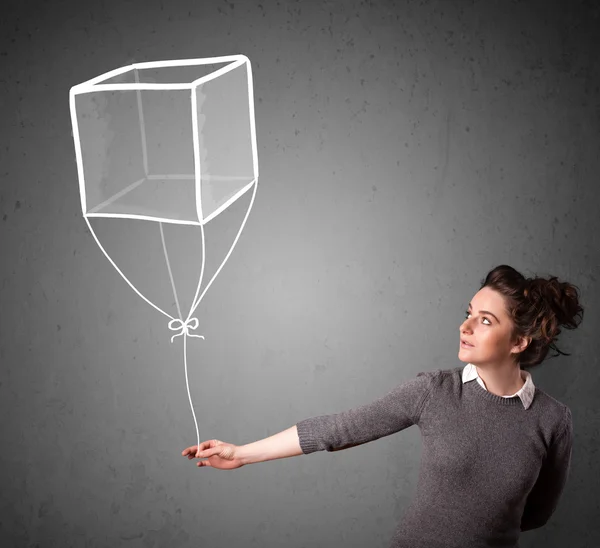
pixel 465 356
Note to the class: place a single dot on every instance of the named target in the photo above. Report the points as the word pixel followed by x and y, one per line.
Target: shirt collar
pixel 469 373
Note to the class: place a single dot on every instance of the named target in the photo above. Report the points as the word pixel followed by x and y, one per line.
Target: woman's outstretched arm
pixel 278 446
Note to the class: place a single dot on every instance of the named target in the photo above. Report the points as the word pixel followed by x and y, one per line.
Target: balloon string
pixel 120 272
pixel 185 336
pixel 197 299
pixel 177 324
pixel 184 327
pixel 191 323
pixel 162 237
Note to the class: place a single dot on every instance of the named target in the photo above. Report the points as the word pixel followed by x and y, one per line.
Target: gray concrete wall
pixel 405 149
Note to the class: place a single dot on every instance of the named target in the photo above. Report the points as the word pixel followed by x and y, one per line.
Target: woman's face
pixel 488 328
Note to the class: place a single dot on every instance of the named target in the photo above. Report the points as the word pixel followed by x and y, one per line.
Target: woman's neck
pixel 502 381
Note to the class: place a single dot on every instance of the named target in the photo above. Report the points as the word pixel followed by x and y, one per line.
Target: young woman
pixel 496 449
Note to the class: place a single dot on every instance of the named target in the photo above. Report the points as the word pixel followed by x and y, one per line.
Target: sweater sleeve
pixel 395 411
pixel 545 495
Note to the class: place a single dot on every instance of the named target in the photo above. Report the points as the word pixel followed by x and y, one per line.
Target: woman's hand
pixel 221 455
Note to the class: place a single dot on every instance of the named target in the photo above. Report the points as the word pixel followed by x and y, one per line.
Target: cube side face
pixel 167 130
pixel 137 154
pixel 226 147
pixel 111 151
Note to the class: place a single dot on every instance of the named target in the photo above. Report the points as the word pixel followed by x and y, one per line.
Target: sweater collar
pixel 526 394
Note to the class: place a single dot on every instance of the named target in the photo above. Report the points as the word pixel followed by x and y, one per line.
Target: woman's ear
pixel 522 344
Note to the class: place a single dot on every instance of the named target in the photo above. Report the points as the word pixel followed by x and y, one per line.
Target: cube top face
pixel 175 74
pixel 172 141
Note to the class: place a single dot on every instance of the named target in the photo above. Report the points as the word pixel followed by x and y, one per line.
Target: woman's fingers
pixel 191 451
pixel 205 453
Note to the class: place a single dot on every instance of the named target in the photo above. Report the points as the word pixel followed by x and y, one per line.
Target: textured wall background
pixel 405 149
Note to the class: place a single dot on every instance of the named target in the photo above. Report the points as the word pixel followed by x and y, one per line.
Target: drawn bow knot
pixel 190 323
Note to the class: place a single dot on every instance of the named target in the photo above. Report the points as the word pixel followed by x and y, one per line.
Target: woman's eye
pixel 468 314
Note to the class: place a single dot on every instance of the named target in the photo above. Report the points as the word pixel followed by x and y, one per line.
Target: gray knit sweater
pixel 489 469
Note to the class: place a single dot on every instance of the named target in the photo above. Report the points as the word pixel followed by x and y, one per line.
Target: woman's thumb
pixel 212 445
pixel 224 451
pixel 208 452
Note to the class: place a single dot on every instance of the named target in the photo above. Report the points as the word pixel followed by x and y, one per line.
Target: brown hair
pixel 537 306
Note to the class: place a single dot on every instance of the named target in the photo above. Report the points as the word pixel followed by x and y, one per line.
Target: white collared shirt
pixel 526 393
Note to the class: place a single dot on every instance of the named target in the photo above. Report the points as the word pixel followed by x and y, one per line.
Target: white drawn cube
pixel 168 141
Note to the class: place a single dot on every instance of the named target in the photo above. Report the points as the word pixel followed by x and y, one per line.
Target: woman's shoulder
pixel 440 375
pixel 557 414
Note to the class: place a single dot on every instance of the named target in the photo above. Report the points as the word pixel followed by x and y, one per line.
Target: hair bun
pixel 537 306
